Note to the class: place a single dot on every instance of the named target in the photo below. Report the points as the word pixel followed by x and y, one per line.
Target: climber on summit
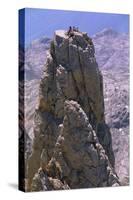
pixel 69 30
pixel 90 41
pixel 75 29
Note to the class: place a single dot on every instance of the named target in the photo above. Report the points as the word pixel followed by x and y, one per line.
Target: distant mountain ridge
pixel 112 50
pixel 105 32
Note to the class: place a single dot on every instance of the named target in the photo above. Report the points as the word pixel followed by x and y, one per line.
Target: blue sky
pixel 43 22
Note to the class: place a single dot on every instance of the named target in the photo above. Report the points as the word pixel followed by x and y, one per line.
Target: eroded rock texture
pixel 72 145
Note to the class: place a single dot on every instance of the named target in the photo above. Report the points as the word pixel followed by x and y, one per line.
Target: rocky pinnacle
pixel 72 145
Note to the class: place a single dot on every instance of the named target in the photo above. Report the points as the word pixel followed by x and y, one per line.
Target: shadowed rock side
pixel 24 139
pixel 72 145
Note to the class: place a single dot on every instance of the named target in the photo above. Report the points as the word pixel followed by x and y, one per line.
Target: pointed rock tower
pixel 72 145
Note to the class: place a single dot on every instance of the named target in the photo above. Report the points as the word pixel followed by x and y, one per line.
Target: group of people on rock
pixel 71 31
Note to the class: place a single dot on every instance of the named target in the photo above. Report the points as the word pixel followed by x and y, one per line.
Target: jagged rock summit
pixel 72 145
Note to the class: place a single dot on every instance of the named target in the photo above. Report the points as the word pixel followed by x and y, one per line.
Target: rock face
pixel 72 145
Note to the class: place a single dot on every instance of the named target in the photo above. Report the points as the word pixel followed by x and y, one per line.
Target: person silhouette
pixel 69 30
